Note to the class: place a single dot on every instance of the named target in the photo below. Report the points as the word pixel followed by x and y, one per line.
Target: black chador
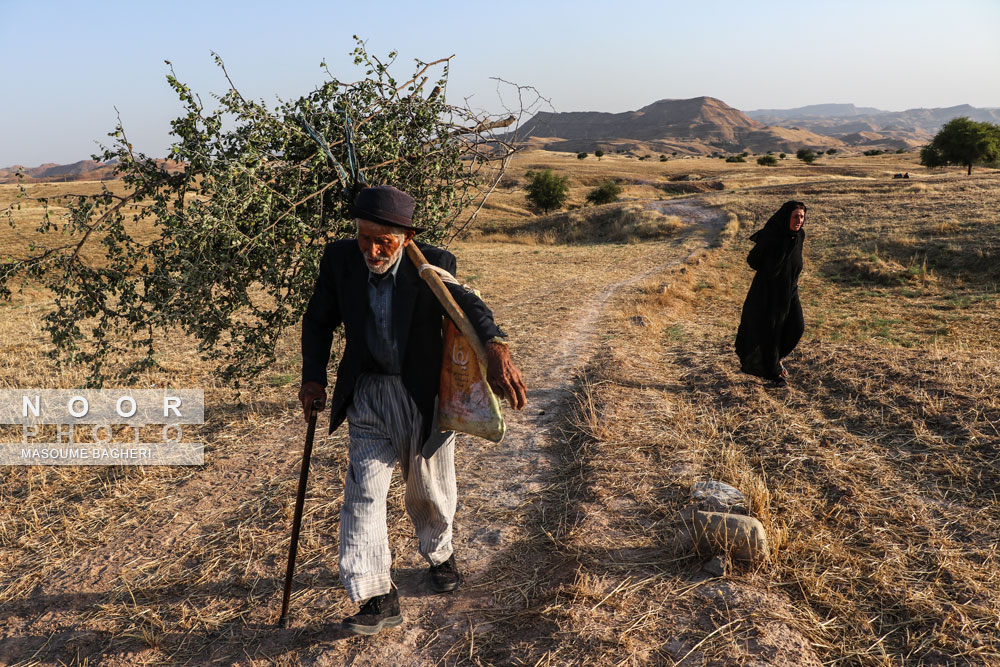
pixel 771 324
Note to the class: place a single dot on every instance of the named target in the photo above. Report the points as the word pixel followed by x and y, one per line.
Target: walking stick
pixel 300 501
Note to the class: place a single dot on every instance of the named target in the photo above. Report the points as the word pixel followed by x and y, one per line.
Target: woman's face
pixel 798 217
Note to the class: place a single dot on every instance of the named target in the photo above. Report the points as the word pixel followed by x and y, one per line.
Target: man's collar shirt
pixel 381 338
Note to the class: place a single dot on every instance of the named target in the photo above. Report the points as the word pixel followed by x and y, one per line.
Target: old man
pixel 386 389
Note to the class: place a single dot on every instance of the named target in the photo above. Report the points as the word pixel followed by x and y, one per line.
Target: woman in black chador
pixel 771 324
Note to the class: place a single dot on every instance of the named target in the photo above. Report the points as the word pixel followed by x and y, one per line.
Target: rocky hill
pixel 868 126
pixel 697 125
pixel 84 170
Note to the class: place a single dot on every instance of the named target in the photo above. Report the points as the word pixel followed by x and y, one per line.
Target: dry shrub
pixel 947 227
pixel 648 224
pixel 872 268
pixel 611 223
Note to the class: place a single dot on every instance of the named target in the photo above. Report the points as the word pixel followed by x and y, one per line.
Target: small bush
pixel 806 155
pixel 782 156
pixel 874 151
pixel 605 193
pixel 663 158
pixel 629 223
pixel 547 190
pixel 581 155
pixel 767 161
pixel 736 158
pixel 831 151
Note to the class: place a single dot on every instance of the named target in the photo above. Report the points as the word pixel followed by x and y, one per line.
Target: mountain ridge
pixel 695 125
pixel 908 128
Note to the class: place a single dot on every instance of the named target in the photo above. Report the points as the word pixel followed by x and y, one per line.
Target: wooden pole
pixel 455 312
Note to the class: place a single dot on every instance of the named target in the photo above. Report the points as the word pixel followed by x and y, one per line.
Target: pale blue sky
pixel 68 64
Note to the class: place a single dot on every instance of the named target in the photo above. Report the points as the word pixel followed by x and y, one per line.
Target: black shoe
pixel 445 577
pixel 381 611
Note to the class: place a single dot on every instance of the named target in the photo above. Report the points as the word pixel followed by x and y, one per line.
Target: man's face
pixel 798 217
pixel 381 245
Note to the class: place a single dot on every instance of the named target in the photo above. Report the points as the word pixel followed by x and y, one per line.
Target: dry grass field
pixel 875 473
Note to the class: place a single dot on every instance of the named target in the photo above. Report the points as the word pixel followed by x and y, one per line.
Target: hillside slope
pixel 696 125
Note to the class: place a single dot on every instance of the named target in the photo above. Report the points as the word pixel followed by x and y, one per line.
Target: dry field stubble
pixel 876 473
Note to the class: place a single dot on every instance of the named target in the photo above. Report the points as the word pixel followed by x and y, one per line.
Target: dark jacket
pixel 341 297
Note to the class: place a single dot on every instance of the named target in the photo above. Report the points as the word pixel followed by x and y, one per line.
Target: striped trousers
pixel 385 427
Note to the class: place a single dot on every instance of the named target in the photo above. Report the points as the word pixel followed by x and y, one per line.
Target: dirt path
pixel 196 574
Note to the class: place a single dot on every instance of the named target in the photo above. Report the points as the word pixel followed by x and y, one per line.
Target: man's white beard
pixel 384 263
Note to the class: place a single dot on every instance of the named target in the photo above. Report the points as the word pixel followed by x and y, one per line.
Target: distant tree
pixel 963 142
pixel 605 193
pixel 548 190
pixel 767 160
pixel 900 150
pixel 806 155
pixel 663 158
pixel 598 154
pixel 831 151
pixel 581 155
pixel 674 153
pixel 782 156
pixel 745 154
pixel 736 158
pixel 874 151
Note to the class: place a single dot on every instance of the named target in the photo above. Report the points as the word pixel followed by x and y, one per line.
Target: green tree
pixel 963 142
pixel 831 151
pixel 806 155
pixel 605 193
pixel 581 155
pixel 767 160
pixel 736 158
pixel 598 154
pixel 223 242
pixel 548 190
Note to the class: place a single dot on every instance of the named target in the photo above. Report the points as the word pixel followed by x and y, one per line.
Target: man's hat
pixel 386 205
